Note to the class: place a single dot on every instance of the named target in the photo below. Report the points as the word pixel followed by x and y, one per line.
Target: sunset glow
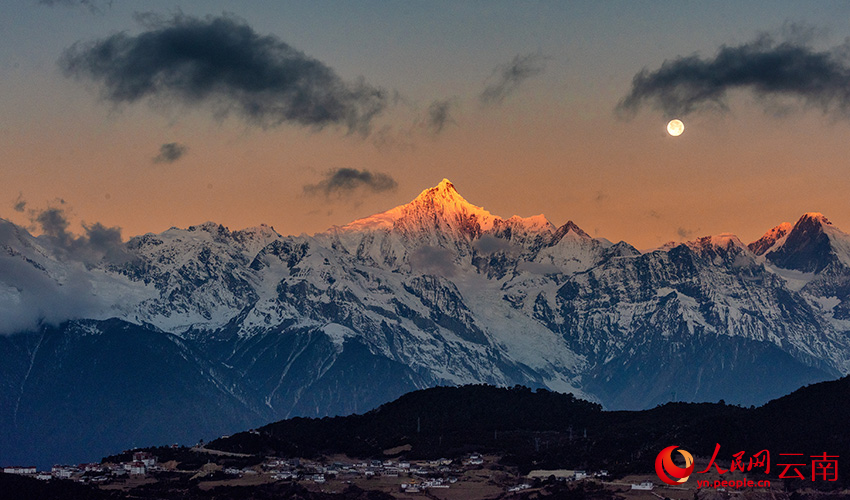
pixel 550 108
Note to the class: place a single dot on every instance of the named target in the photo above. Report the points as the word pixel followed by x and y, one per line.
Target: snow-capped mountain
pixel 763 244
pixel 200 331
pixel 810 246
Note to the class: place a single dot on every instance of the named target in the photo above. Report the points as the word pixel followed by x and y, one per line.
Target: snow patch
pixel 827 304
pixel 794 280
pixel 338 333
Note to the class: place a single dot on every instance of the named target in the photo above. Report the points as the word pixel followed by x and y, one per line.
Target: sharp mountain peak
pixel 443 207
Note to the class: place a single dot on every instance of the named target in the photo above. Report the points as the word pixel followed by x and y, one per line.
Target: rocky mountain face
pixel 198 332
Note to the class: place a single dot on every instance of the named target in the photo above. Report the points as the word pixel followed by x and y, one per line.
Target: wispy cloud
pixel 170 152
pixel 538 268
pixel 344 182
pixel 20 204
pixel 223 64
pixel 433 260
pixel 766 67
pixel 439 115
pixel 507 78
pixel 412 123
pixel 489 244
pixel 92 5
pixel 684 233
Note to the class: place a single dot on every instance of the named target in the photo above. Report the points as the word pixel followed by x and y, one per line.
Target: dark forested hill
pixel 546 429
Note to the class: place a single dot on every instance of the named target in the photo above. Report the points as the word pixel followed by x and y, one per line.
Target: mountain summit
pixel 440 208
pixel 811 245
pixel 770 238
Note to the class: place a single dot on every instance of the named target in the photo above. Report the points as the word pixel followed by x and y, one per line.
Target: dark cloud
pixel 98 243
pixel 433 260
pixel 54 224
pixel 508 77
pixel 20 203
pixel 488 244
pixel 345 181
pixel 439 115
pixel 102 239
pixel 170 152
pixel 765 67
pixel 223 64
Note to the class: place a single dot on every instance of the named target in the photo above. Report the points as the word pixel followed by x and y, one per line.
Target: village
pixel 93 473
pixel 399 476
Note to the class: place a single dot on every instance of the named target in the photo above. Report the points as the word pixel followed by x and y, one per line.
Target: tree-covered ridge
pixel 543 429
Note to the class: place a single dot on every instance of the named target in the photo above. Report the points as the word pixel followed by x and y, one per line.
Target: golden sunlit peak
pixel 445 206
pixel 817 216
pixel 777 232
pixel 535 222
pixel 445 184
pixel 441 201
pixel 722 240
pixel 781 228
pixel 763 244
pixel 445 196
pixel 444 190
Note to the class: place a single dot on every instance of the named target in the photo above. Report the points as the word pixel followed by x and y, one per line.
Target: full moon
pixel 675 128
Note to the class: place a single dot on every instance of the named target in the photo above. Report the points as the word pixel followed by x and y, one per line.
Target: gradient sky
pixel 554 144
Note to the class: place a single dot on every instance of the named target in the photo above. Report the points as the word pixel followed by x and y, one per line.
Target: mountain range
pixel 197 332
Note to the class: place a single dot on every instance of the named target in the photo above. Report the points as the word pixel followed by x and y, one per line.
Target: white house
pixel 62 472
pixel 15 469
pixel 138 468
pixel 145 457
pixel 645 486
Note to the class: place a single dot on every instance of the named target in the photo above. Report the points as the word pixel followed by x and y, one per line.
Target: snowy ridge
pixel 440 291
pixel 771 238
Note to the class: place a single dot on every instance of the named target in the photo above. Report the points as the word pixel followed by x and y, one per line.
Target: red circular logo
pixel 665 467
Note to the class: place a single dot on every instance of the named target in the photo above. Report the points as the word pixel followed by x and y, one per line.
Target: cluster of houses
pixel 95 473
pixel 283 469
pixel 414 486
pixel 419 476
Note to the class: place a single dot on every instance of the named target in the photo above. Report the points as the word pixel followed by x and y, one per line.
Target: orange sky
pixel 554 146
